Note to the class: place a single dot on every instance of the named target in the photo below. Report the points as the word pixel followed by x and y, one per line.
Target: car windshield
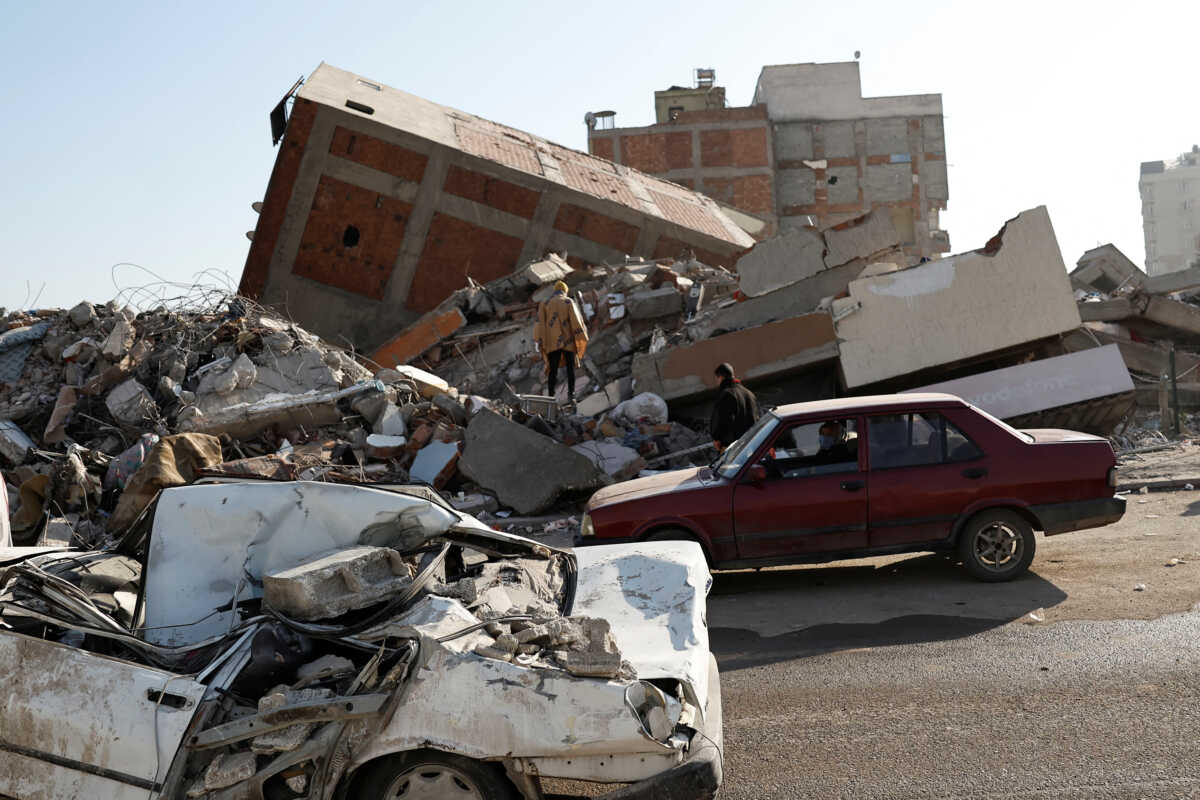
pixel 736 455
pixel 1022 435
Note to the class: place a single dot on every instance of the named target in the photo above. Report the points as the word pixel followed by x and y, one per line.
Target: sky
pixel 137 133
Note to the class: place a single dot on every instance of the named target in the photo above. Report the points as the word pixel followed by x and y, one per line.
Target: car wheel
pixel 677 535
pixel 433 775
pixel 996 545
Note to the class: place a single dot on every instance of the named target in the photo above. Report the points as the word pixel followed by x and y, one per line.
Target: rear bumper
pixel 699 776
pixel 1079 514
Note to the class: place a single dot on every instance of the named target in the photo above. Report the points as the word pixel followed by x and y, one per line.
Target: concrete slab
pixel 1179 281
pixel 419 337
pixel 654 303
pixel 1013 291
pixel 1044 384
pixel 499 455
pixel 765 351
pixel 1106 310
pixel 781 261
pixel 861 238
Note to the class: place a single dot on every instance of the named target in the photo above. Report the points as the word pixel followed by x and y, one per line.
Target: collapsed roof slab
pixel 759 353
pixel 1179 281
pixel 1106 269
pixel 382 203
pixel 1043 384
pixel 1013 291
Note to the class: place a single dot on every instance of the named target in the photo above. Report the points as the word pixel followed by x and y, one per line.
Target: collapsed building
pixel 381 203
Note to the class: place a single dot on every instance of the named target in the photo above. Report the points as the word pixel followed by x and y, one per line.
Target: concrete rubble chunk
pixel 654 303
pixel 14 444
pixel 435 463
pixel 119 340
pixel 452 408
pixel 428 385
pixel 861 238
pixel 390 421
pixel 228 769
pixel 1179 281
pixel 499 455
pixel 286 739
pixel 82 315
pixel 957 307
pixel 324 667
pixel 781 261
pixel 382 446
pixel 130 403
pixel 337 581
pixel 419 336
pixel 618 461
pixel 546 271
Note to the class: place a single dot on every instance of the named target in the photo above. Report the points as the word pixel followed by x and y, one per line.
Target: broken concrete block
pixel 428 385
pixel 390 422
pixel 130 403
pixel 229 768
pixel 959 307
pixel 452 408
pixel 291 737
pixel 56 427
pixel 1179 281
pixel 337 581
pixel 82 315
pixel 780 261
pixel 618 461
pixel 599 402
pixel 765 351
pixel 500 456
pixel 654 303
pixel 592 665
pixel 645 407
pixel 119 340
pixel 861 238
pixel 435 463
pixel 382 447
pixel 546 271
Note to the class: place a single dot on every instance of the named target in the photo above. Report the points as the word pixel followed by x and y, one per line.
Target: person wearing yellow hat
pixel 561 336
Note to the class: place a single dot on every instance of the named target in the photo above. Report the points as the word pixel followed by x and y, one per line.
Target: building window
pixel 350 236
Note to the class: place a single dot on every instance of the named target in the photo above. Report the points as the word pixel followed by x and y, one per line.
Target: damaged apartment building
pixel 381 204
pixel 809 150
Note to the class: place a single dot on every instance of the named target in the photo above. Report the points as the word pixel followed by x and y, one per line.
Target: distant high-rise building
pixel 1171 212
pixel 809 150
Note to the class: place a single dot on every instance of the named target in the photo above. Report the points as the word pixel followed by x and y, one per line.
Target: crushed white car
pixel 274 640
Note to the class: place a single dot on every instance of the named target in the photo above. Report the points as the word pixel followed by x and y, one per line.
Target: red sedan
pixel 867 476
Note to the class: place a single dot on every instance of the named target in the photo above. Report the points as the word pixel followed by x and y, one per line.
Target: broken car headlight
pixel 585 526
pixel 657 713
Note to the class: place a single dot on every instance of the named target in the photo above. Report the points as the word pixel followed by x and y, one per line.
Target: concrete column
pixel 308 176
pixel 417 227
pixel 540 227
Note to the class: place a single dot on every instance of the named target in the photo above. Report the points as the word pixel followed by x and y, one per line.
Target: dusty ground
pixel 902 677
pixel 1180 461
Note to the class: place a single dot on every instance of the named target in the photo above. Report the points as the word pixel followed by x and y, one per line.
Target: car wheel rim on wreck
pixel 432 782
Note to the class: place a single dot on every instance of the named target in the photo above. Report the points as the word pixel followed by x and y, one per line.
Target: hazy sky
pixel 137 132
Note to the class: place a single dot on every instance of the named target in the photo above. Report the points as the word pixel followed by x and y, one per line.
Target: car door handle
pixel 974 473
pixel 852 486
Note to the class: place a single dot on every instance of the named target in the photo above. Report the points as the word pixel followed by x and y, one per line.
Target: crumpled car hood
pixel 653 594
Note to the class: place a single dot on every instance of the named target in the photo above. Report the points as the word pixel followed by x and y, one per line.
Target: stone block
pixel 337 581
pixel 14 444
pixel 617 461
pixel 381 446
pixel 435 463
pixel 82 315
pixel 390 421
pixel 654 303
pixel 119 340
pixel 130 403
pixel 526 471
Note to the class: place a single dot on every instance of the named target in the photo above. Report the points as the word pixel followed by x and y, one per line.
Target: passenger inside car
pixel 813 449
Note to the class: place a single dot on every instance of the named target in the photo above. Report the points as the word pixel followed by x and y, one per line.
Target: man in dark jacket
pixel 734 411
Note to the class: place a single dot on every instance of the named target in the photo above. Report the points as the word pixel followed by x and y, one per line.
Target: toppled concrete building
pixel 808 150
pixel 1012 292
pixel 381 204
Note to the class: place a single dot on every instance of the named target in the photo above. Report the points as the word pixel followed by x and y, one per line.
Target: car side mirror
pixel 756 474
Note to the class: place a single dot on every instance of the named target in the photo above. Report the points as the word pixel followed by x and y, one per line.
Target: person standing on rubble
pixel 561 336
pixel 735 410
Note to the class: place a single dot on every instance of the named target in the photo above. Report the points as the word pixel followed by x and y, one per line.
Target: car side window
pixel 815 448
pixel 910 440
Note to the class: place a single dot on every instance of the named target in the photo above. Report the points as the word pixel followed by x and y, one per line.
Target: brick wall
pixel 752 193
pixel 455 249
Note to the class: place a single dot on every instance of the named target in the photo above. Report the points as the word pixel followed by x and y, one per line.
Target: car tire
pixel 432 775
pixel 996 545
pixel 678 535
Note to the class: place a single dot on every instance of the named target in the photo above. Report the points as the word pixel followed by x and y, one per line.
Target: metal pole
pixel 1174 387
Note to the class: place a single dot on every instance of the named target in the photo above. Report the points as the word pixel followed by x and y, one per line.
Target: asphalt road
pixel 903 678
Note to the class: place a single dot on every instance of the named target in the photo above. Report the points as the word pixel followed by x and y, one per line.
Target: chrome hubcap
pixel 432 782
pixel 998 547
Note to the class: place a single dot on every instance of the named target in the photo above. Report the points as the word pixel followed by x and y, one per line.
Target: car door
pixel 923 472
pixel 77 724
pixel 804 504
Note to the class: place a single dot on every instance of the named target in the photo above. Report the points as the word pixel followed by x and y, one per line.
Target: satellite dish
pixel 257 206
pixel 857 54
pixel 250 235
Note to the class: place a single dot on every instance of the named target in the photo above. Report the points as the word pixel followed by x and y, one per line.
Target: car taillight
pixel 1112 477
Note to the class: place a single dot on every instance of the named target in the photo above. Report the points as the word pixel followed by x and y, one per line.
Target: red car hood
pixel 653 485
pixel 1047 435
